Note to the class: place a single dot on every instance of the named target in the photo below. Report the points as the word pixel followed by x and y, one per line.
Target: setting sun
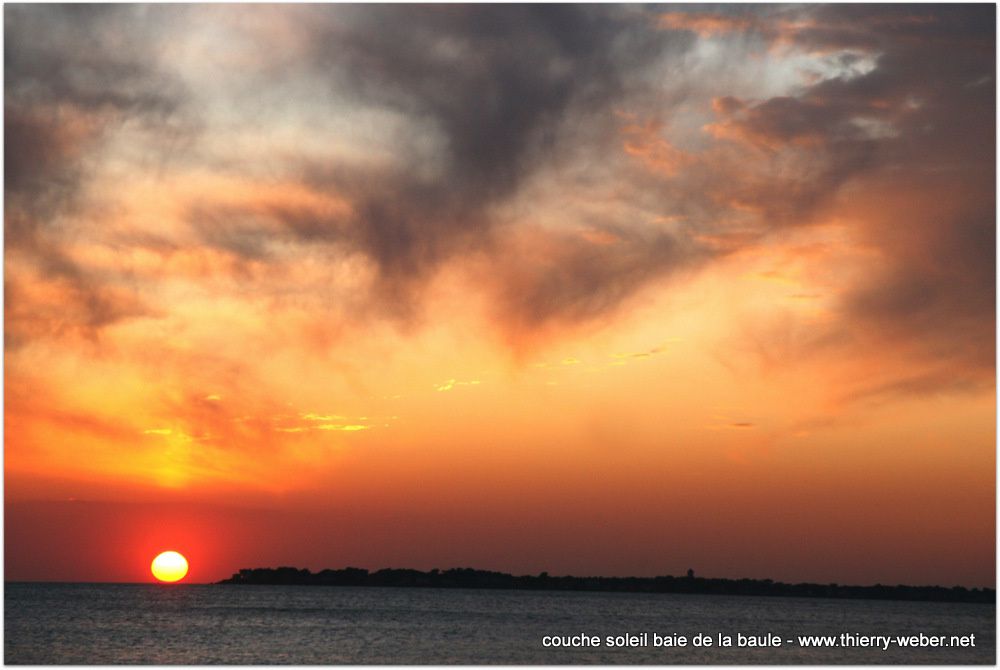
pixel 169 566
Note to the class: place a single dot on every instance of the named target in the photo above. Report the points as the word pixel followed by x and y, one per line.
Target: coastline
pixel 485 579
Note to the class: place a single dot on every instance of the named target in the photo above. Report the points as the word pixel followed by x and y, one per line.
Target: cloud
pixel 73 76
pixel 705 24
pixel 881 149
pixel 601 156
pixel 557 279
pixel 492 115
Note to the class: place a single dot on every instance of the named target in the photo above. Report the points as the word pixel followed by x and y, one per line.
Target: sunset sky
pixel 614 290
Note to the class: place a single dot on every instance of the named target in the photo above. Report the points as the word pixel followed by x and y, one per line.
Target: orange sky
pixel 366 285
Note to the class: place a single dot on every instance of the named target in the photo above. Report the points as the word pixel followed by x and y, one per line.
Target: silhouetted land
pixel 468 578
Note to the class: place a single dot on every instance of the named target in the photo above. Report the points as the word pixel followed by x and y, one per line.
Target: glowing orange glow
pixel 169 566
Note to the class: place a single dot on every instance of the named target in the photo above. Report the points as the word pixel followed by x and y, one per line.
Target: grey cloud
pixel 498 83
pixel 926 186
pixel 72 75
pixel 507 93
pixel 500 87
pixel 584 280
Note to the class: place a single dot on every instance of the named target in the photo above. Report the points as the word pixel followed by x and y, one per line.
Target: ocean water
pixel 209 624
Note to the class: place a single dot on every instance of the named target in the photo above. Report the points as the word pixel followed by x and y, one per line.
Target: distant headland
pixel 468 578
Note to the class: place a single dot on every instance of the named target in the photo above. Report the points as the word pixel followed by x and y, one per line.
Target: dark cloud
pixel 936 289
pixel 73 74
pixel 37 148
pixel 492 100
pixel 496 81
pixel 498 89
pixel 569 279
pixel 896 139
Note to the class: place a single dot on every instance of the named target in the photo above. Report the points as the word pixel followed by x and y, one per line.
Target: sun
pixel 169 566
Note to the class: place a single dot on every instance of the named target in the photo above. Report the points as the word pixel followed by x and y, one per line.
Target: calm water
pixel 189 624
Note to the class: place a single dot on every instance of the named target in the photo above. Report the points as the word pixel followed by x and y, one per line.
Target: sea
pixel 79 624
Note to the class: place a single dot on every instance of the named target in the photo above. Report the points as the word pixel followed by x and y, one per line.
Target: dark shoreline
pixel 484 579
